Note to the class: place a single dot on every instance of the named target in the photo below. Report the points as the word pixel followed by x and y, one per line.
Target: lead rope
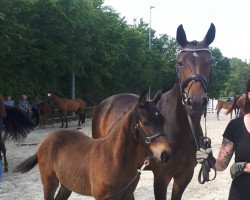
pixel 206 166
pixel 136 178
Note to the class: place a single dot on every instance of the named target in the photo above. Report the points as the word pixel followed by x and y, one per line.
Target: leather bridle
pixel 203 142
pixel 194 77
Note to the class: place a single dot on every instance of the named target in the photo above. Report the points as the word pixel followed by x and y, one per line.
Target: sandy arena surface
pixel 28 186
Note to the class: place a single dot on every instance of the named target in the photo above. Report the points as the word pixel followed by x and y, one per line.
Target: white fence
pixel 211 107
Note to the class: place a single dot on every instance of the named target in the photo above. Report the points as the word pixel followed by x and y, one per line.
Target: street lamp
pixel 149 42
pixel 149 31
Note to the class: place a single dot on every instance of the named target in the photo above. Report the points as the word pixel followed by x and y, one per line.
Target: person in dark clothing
pixel 236 139
pixel 35 110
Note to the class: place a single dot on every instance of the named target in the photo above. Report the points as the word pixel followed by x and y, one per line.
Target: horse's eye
pixel 179 64
pixel 144 122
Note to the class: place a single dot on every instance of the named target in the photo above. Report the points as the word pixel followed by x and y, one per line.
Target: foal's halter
pixel 147 141
pixel 203 142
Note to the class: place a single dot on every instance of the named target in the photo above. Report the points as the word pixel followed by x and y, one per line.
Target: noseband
pixel 194 78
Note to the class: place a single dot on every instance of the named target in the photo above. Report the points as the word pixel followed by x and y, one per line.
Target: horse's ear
pixel 209 38
pixel 143 98
pixel 157 97
pixel 181 36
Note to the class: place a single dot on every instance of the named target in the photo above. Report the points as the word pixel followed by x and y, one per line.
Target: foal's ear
pixel 209 38
pixel 143 98
pixel 157 97
pixel 181 36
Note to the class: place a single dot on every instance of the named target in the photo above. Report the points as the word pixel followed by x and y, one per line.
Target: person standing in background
pixel 9 102
pixel 24 105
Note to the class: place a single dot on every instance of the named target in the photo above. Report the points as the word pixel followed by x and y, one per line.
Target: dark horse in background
pixel 188 98
pixel 17 126
pixel 45 111
pixel 66 106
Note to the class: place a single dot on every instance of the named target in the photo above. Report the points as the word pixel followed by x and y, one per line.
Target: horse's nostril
pixel 165 156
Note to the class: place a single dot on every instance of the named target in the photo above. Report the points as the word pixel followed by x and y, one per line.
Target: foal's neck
pixel 123 139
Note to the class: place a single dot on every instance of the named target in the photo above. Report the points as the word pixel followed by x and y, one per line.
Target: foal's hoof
pixel 6 170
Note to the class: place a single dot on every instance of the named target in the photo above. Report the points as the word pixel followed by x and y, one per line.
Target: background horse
pixel 17 126
pixel 187 100
pixel 235 106
pixel 46 111
pixel 241 104
pixel 225 105
pixel 90 167
pixel 66 106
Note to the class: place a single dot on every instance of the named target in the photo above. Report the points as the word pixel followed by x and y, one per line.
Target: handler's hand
pixel 247 168
pixel 237 169
pixel 202 154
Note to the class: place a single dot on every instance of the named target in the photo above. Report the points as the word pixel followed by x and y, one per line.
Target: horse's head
pixel 149 123
pixel 49 96
pixel 194 61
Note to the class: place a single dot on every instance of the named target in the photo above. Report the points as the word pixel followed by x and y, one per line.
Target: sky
pixel 230 17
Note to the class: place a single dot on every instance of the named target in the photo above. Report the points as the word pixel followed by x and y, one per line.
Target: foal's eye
pixel 179 64
pixel 144 122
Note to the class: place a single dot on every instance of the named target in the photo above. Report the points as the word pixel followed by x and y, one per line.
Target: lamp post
pixel 149 43
pixel 149 30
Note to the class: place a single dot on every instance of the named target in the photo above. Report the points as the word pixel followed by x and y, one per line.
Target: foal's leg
pixel 181 181
pixel 161 181
pixel 63 193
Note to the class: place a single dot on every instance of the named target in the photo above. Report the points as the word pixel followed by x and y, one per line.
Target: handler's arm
pixel 225 155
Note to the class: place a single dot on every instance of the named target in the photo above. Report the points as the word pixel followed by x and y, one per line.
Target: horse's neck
pixel 123 140
pixel 57 99
pixel 172 103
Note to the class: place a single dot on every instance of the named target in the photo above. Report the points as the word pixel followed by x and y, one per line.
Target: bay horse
pixel 225 105
pixel 46 111
pixel 100 167
pixel 241 104
pixel 235 106
pixel 17 126
pixel 66 106
pixel 184 104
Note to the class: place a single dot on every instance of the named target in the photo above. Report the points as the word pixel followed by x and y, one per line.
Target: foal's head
pixel 148 122
pixel 194 61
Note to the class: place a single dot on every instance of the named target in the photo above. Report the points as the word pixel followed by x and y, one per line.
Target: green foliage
pixel 44 42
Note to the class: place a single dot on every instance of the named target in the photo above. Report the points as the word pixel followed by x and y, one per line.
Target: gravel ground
pixel 28 186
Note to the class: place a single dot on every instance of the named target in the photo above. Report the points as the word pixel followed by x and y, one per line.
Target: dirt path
pixel 28 186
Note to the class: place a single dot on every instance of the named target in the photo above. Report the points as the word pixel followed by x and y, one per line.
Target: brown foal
pixel 100 167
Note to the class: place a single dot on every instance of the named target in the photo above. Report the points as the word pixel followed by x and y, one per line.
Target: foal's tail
pixel 27 165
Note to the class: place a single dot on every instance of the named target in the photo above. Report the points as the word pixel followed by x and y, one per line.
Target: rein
pixel 203 142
